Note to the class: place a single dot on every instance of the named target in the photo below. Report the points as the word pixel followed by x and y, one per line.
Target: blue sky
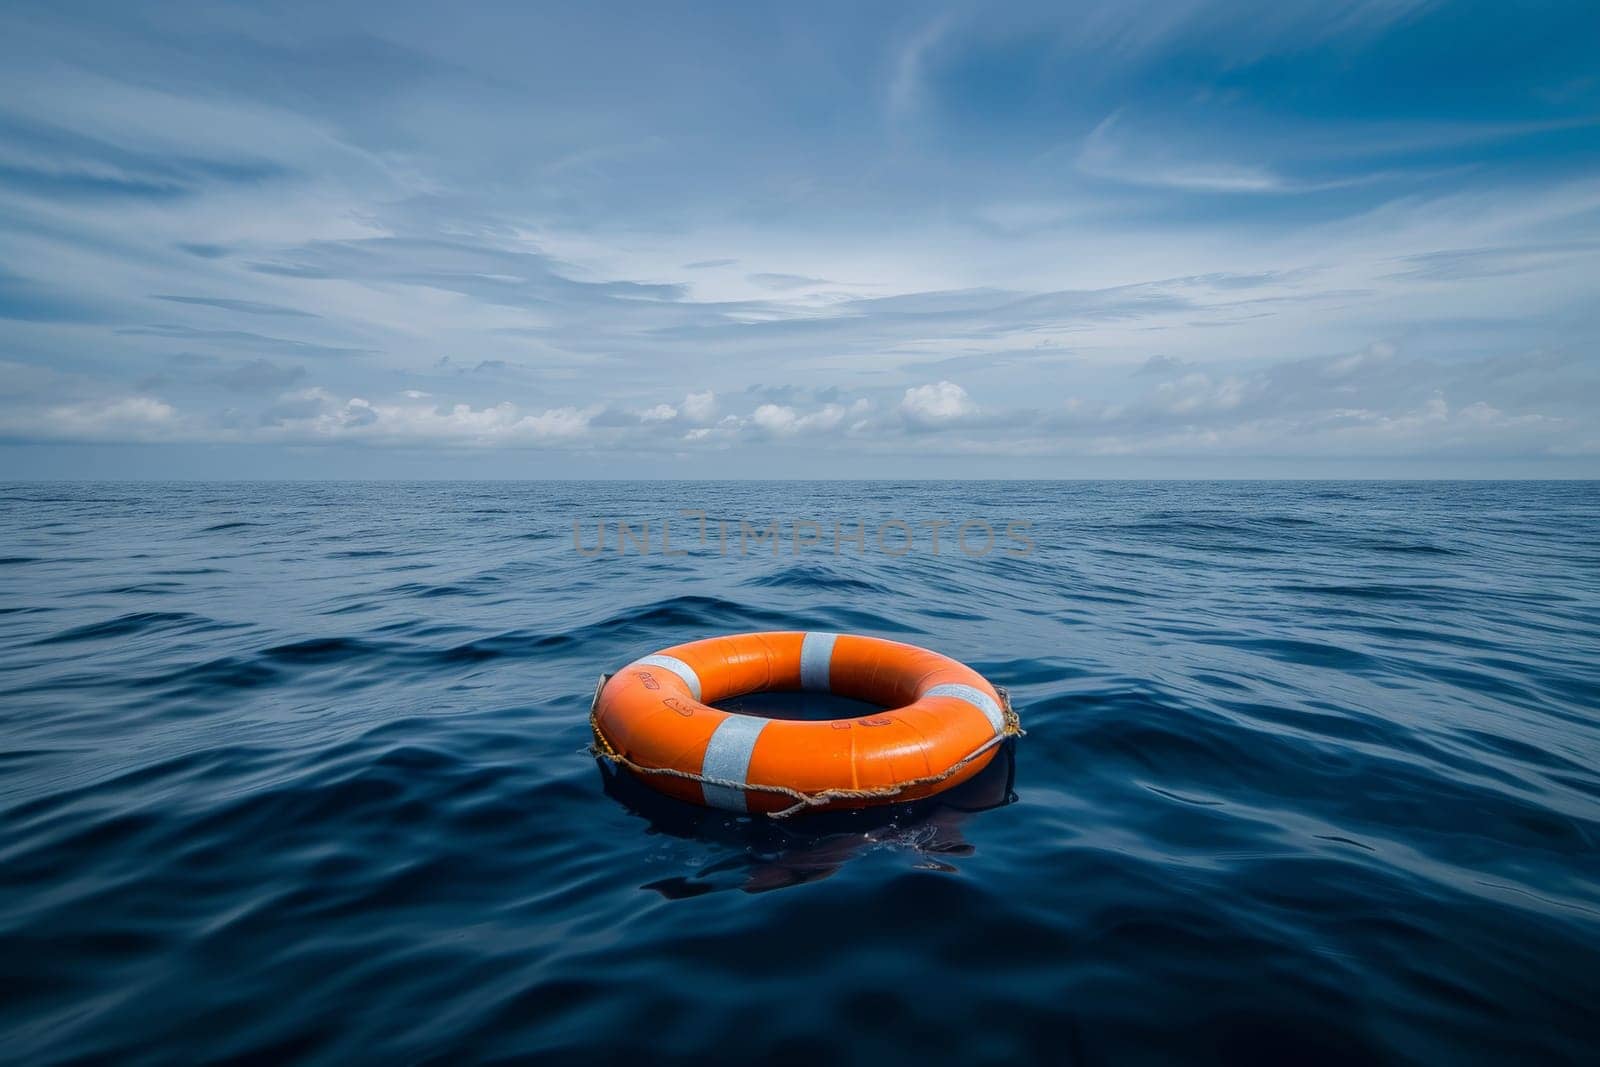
pixel 542 240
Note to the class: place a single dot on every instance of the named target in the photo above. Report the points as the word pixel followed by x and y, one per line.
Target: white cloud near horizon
pixel 1371 403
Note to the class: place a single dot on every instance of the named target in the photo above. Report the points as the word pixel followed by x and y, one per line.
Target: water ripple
pixel 1311 776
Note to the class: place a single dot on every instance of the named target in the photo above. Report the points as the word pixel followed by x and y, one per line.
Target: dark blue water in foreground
pixel 299 773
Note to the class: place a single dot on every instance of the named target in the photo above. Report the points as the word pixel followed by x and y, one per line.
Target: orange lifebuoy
pixel 943 722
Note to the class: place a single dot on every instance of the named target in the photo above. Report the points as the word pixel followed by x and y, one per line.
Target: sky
pixel 1073 240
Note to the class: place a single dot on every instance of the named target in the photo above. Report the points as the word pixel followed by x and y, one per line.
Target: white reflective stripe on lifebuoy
pixel 727 757
pixel 676 666
pixel 816 661
pixel 977 698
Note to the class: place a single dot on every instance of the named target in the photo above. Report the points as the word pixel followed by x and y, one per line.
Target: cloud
pixel 785 282
pixel 240 339
pixel 1360 403
pixel 1199 392
pixel 243 307
pixel 513 277
pixel 1104 155
pixel 315 415
pixel 258 376
pixel 1432 427
pixel 1163 365
pixel 700 407
pixel 780 420
pixel 1196 149
pixel 775 418
pixel 1371 402
pixel 110 419
pixel 937 403
pixel 1126 227
pixel 202 250
pixel 796 395
pixel 1458 264
pixel 696 409
pixel 905 83
pixel 45 161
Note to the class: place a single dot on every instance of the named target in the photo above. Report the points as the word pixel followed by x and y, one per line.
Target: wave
pixel 1308 776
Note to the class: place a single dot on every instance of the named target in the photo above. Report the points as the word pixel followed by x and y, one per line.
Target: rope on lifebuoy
pixel 601 748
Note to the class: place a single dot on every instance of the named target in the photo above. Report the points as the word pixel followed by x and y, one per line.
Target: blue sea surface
pixel 300 773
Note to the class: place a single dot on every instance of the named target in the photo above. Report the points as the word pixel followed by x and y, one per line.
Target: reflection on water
pixel 760 854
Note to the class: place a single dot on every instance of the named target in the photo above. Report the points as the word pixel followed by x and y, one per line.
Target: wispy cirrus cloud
pixel 242 307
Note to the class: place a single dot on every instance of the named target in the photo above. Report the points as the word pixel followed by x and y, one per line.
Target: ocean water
pixel 299 773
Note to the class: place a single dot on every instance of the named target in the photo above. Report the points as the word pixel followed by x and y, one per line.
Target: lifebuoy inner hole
pixel 802 706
